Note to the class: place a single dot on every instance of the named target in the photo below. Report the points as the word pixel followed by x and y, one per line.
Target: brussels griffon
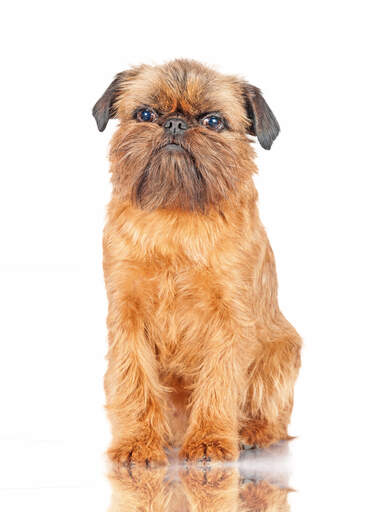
pixel 199 353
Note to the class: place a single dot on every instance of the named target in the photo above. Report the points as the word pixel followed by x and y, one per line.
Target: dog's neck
pixel 185 235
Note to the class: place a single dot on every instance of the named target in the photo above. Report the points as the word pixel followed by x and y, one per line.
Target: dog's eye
pixel 213 122
pixel 147 115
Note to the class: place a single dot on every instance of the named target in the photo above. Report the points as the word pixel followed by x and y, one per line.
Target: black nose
pixel 175 126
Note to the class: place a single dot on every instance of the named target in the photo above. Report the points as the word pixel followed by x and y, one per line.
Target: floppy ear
pixel 263 122
pixel 104 109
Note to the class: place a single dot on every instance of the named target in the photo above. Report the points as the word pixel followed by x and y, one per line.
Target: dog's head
pixel 182 142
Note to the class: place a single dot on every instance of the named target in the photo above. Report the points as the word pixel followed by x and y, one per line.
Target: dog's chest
pixel 173 308
pixel 186 302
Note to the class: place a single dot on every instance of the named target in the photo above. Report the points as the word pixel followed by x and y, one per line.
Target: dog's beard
pixel 170 180
pixel 200 173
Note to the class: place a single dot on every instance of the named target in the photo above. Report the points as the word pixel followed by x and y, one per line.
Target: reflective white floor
pixel 247 485
pixel 46 475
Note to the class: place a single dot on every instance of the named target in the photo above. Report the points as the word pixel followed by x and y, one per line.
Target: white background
pixel 57 58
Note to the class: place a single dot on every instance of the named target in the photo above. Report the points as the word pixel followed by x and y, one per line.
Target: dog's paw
pixel 208 450
pixel 260 434
pixel 256 436
pixel 139 451
pixel 247 447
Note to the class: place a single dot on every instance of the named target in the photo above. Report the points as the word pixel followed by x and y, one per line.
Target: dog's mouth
pixel 173 146
pixel 170 179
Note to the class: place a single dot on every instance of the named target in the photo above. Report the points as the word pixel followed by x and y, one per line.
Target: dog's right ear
pixel 105 108
pixel 263 122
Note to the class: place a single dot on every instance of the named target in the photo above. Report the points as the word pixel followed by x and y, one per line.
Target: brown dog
pixel 197 345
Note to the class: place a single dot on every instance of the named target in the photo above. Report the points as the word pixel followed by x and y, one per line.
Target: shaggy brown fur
pixel 196 337
pixel 220 489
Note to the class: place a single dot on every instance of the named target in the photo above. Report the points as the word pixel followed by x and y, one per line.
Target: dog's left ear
pixel 263 122
pixel 105 108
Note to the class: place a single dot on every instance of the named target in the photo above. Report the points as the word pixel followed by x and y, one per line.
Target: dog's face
pixel 182 142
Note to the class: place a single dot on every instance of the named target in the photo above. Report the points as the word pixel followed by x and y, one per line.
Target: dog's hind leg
pixel 269 399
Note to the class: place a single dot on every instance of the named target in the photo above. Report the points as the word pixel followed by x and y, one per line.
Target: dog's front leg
pixel 213 427
pixel 135 397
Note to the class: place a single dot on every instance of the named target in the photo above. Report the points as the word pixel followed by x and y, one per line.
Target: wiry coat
pixel 199 353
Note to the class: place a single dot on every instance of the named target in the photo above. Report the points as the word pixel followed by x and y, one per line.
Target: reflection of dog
pixel 194 325
pixel 220 489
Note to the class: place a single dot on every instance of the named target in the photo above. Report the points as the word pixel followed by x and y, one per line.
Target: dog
pixel 199 355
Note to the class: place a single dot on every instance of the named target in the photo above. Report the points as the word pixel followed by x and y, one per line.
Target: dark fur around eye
pixel 146 115
pixel 213 121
